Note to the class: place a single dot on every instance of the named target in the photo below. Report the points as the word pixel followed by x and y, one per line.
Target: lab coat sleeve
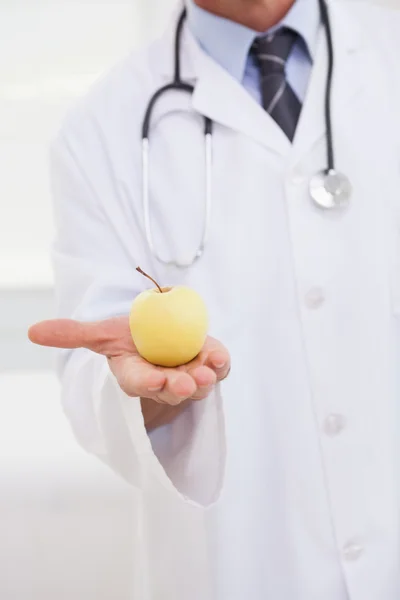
pixel 94 261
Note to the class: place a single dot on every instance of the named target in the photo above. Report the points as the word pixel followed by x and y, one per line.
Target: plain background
pixel 64 518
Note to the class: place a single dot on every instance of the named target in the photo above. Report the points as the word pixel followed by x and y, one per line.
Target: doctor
pixel 281 481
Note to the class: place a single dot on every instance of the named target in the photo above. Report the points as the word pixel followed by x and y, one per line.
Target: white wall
pixel 66 522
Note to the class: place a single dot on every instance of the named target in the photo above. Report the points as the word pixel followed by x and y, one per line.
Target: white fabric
pixel 249 494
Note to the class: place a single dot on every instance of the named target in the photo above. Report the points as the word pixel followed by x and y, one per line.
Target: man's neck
pixel 259 16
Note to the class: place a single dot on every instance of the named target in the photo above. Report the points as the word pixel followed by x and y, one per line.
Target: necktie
pixel 279 100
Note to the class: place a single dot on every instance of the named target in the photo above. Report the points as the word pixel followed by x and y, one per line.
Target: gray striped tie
pixel 279 100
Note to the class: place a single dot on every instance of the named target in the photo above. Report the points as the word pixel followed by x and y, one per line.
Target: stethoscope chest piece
pixel 330 189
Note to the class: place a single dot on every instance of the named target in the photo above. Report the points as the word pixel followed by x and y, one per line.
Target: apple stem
pixel 148 277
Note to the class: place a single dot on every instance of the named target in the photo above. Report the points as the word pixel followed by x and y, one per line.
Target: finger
pixel 60 333
pixel 203 376
pixel 179 386
pixel 205 379
pixel 219 361
pixel 136 378
pixel 109 337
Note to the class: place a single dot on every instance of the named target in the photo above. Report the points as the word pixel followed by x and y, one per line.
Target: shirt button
pixel 334 424
pixel 315 298
pixel 352 551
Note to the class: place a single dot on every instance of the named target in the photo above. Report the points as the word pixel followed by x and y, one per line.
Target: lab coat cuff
pixel 189 454
pixel 185 458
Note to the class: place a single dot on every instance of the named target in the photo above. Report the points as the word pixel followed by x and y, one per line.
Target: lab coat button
pixel 352 551
pixel 334 424
pixel 315 298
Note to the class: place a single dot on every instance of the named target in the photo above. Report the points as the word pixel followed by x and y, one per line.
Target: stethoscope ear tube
pixel 177 48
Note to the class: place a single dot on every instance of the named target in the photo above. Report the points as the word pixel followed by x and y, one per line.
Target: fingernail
pixel 219 364
pixel 156 389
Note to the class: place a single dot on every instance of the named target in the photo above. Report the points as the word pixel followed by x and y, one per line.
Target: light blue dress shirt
pixel 229 43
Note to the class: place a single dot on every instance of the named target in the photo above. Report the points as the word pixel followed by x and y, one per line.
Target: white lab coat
pixel 283 484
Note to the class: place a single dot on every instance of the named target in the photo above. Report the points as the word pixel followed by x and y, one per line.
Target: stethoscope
pixel 329 189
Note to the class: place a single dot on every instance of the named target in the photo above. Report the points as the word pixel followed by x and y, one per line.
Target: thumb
pixel 110 337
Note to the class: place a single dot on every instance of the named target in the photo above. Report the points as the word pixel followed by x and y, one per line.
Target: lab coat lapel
pixel 347 82
pixel 225 100
pixel 217 95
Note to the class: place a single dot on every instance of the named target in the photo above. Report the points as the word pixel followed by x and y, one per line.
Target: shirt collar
pixel 229 43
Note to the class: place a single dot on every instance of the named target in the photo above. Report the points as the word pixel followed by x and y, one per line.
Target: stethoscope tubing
pixel 319 188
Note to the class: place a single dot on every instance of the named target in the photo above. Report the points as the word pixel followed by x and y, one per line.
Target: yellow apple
pixel 169 328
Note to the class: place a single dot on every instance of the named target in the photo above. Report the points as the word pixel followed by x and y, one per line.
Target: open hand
pixel 136 376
